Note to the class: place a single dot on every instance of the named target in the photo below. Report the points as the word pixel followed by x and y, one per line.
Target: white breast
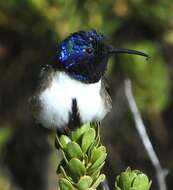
pixel 56 101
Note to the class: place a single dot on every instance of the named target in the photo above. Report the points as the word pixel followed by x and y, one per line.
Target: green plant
pixel 132 180
pixel 83 159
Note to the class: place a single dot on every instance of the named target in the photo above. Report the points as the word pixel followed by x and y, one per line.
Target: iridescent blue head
pixel 84 55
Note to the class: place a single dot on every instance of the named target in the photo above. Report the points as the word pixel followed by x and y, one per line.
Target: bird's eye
pixel 89 50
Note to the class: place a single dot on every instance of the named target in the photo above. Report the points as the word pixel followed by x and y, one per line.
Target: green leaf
pixel 97 152
pixel 64 156
pixel 125 179
pixel 96 173
pixel 98 162
pixel 132 180
pixel 100 179
pixel 74 150
pixel 77 167
pixel 141 182
pixel 75 135
pixel 63 172
pixel 64 184
pixel 84 182
pixel 117 188
pixel 88 139
pixel 64 140
pixel 57 142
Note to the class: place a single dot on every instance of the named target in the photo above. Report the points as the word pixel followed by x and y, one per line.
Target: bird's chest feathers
pixel 56 100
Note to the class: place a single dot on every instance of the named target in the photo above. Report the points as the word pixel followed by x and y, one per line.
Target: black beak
pixel 128 51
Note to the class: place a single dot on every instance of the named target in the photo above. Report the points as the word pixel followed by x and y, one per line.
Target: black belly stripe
pixel 74 116
pixel 74 120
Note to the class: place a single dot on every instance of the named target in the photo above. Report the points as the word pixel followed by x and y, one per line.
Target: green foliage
pixel 64 17
pixel 150 77
pixel 156 13
pixel 4 137
pixel 132 180
pixel 61 17
pixel 83 159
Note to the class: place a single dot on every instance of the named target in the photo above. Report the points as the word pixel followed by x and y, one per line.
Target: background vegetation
pixel 29 33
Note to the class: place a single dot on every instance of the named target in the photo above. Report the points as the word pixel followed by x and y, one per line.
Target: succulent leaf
pixel 88 139
pixel 97 152
pixel 98 162
pixel 100 179
pixel 64 184
pixel 83 158
pixel 64 140
pixel 84 182
pixel 75 135
pixel 73 150
pixel 77 167
pixel 64 174
pixel 132 180
pixel 141 182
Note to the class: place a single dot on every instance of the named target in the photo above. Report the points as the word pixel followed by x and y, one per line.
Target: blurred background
pixel 29 33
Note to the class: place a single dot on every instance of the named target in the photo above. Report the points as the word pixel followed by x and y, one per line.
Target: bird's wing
pixel 106 94
pixel 44 78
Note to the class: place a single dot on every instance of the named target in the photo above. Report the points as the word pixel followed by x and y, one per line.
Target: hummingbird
pixel 72 91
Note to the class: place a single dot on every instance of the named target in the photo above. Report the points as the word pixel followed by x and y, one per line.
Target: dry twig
pixel 160 172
